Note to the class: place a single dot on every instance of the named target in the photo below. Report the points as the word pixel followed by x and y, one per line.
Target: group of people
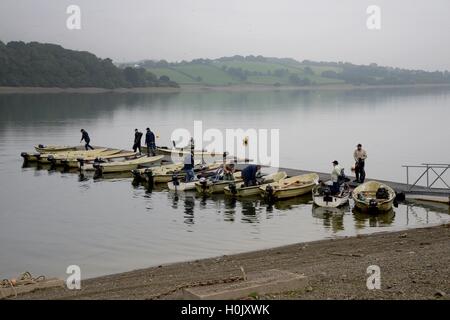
pixel 137 145
pixel 338 176
pixel 149 141
pixel 250 173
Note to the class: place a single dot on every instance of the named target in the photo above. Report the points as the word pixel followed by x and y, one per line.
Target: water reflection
pixel 332 217
pixel 379 219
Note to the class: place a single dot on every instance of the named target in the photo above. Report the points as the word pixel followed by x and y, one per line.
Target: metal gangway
pixel 431 172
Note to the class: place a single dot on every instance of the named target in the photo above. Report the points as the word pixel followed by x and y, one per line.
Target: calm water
pixel 50 219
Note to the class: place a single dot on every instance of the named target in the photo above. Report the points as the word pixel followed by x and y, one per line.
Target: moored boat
pixel 239 189
pixel 127 165
pixel 177 183
pixel 208 186
pixel 290 187
pixel 58 158
pixel 323 197
pixel 373 196
pixel 79 162
pixel 54 148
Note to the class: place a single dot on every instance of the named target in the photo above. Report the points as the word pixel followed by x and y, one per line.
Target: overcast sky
pixel 414 33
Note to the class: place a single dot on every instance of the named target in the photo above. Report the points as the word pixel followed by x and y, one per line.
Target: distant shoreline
pixel 203 88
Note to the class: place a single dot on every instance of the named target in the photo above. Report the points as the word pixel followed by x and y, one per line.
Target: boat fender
pixel 400 196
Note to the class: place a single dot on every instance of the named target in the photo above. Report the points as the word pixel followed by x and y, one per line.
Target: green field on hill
pixel 235 71
pixel 258 70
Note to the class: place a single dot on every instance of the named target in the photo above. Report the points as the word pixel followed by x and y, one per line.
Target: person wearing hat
pixel 150 142
pixel 335 174
pixel 137 140
pixel 360 156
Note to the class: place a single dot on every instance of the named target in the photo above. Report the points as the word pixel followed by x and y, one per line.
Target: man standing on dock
pixel 150 142
pixel 360 156
pixel 87 140
pixel 137 140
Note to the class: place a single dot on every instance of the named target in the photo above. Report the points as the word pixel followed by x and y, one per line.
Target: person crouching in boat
pixel 150 143
pixel 250 175
pixel 228 171
pixel 86 138
pixel 224 172
pixel 188 167
pixel 335 177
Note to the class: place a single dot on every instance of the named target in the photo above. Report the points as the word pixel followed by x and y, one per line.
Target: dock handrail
pixel 428 168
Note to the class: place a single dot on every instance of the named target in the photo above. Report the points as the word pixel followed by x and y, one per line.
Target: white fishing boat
pixel 290 187
pixel 240 190
pixel 127 165
pixel 323 197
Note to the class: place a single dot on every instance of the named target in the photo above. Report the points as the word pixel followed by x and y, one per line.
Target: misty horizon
pixel 410 37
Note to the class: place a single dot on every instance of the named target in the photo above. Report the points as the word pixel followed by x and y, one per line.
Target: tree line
pixel 48 65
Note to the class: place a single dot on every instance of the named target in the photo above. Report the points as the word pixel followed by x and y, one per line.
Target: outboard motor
pixel 269 192
pixel 175 180
pixel 203 184
pixel 372 204
pixel 232 188
pixel 327 195
pixel 81 161
pixel 149 174
pixel 52 160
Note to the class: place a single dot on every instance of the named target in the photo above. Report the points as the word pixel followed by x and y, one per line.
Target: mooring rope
pixel 25 278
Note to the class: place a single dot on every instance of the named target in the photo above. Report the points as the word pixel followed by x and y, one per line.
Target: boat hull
pixel 241 191
pixel 365 198
pixel 182 186
pixel 121 166
pixel 335 202
pixel 330 201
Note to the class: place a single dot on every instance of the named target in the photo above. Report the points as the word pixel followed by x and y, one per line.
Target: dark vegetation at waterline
pixel 48 65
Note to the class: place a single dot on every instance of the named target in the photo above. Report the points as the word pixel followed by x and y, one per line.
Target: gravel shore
pixel 415 264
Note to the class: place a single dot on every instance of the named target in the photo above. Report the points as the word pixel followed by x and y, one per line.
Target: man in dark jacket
pixel 137 140
pixel 249 175
pixel 150 142
pixel 87 140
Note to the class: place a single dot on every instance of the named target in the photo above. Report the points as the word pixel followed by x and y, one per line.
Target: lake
pixel 51 219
